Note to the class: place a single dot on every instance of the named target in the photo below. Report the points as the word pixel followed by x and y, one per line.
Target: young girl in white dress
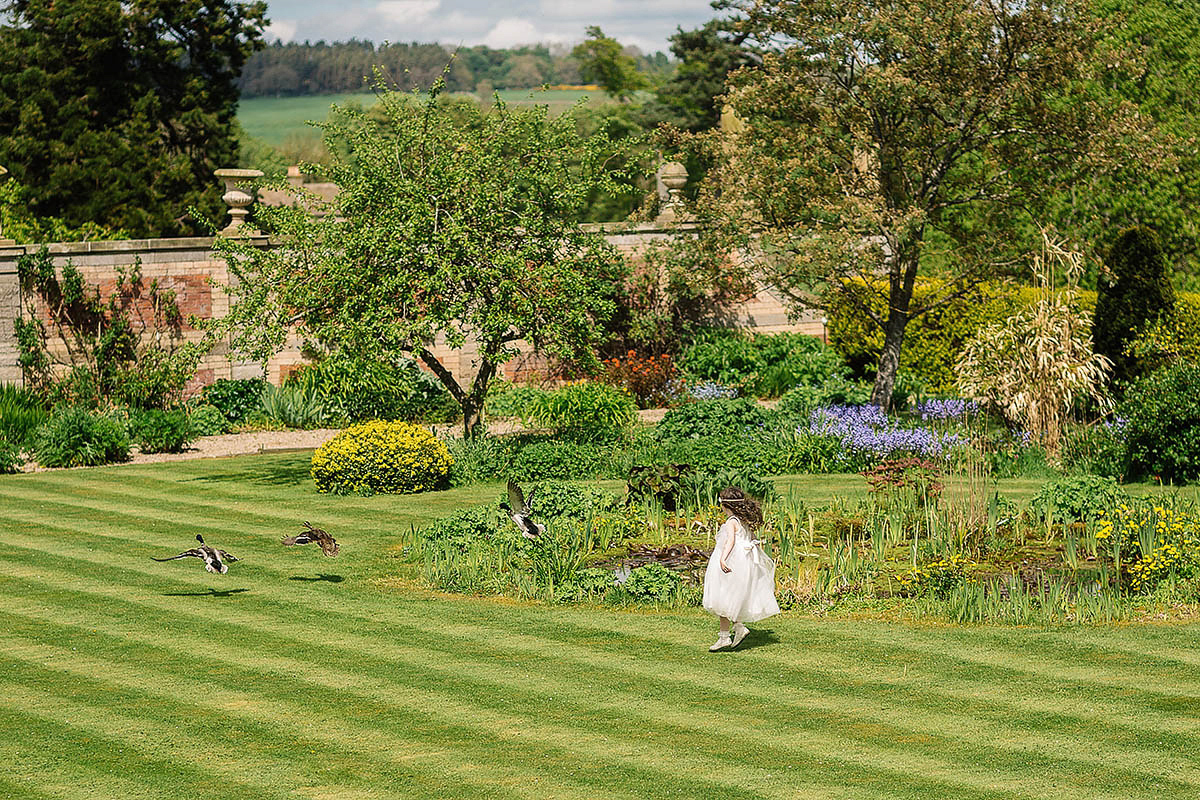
pixel 739 583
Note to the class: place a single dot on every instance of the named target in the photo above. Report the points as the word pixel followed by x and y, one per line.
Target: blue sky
pixel 644 23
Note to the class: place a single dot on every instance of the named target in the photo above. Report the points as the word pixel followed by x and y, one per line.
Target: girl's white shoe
pixel 723 643
pixel 739 633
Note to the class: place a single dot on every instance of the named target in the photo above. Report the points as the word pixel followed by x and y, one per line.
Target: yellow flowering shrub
pixel 937 577
pixel 1154 541
pixel 381 457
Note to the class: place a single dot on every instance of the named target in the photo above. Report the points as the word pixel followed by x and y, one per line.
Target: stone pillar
pixel 4 176
pixel 10 311
pixel 239 194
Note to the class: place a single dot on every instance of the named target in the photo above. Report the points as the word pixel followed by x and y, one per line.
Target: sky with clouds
pixel 644 23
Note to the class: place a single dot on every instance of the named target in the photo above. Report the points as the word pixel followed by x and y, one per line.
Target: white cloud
pixel 512 31
pixel 407 11
pixel 281 29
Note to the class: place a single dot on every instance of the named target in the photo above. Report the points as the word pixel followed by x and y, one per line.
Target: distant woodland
pixel 280 70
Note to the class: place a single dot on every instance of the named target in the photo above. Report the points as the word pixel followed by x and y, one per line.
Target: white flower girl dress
pixel 747 592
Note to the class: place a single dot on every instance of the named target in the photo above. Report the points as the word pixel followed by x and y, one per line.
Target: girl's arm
pixel 728 548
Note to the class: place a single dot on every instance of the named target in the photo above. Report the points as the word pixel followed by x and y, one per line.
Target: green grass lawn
pixel 274 119
pixel 297 676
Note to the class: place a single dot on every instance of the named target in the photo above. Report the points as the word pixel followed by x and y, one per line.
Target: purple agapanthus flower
pixel 946 408
pixel 867 429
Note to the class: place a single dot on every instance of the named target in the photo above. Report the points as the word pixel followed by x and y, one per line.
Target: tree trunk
pixel 472 419
pixel 902 278
pixel 889 360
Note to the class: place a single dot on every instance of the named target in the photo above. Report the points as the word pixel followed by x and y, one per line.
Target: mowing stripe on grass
pixel 1033 750
pixel 515 700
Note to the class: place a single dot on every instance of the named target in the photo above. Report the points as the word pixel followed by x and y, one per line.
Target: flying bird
pixel 214 560
pixel 519 511
pixel 329 545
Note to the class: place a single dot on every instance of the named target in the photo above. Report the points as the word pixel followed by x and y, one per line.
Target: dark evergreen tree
pixel 117 113
pixel 706 57
pixel 1138 291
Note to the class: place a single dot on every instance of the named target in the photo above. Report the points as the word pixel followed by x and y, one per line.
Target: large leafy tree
pixel 117 113
pixel 453 224
pixel 881 140
pixel 603 61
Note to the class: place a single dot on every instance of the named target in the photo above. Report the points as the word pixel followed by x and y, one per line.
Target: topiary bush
pixel 236 399
pixel 1137 293
pixel 157 431
pixel 80 437
pixel 706 418
pixel 381 457
pixel 1162 412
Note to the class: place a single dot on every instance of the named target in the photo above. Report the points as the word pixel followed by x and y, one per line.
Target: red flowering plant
pixel 650 379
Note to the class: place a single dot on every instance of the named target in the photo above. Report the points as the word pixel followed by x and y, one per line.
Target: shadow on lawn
pixel 209 593
pixel 758 637
pixel 320 576
pixel 289 471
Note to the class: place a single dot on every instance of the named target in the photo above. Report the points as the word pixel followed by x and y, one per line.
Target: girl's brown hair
pixel 742 506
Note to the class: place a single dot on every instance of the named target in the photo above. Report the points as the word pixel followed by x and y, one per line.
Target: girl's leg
pixel 723 640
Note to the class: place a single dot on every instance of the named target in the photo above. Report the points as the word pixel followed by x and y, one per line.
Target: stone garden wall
pixel 189 267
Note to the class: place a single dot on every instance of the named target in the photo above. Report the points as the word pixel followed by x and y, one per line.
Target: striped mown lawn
pixel 297 676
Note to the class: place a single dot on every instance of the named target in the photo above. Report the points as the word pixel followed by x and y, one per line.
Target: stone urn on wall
pixel 673 177
pixel 239 194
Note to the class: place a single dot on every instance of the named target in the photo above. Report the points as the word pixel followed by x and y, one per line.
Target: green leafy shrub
pixel 661 482
pixel 80 437
pixel 359 389
pixel 10 456
pixel 1173 337
pixel 764 365
pixel 586 410
pixel 297 403
pixel 509 400
pixel 709 418
pixel 1137 294
pixel 589 583
pixel 558 499
pixel 652 583
pixel 381 457
pixel 235 398
pixel 562 460
pixel 157 431
pixel 1163 415
pixel 701 487
pixel 207 420
pixel 461 529
pixel 1076 498
pixel 21 414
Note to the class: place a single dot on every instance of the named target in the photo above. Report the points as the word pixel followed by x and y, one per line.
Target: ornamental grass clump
pixel 381 457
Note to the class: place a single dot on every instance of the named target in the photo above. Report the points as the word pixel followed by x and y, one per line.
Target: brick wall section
pixel 189 267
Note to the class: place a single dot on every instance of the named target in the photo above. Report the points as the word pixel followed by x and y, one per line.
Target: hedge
pixel 933 341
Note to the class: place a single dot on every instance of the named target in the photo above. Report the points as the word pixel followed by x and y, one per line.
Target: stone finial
pixel 238 195
pixel 673 176
pixel 4 176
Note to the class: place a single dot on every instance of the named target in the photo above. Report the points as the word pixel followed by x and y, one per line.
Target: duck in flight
pixel 329 545
pixel 519 511
pixel 215 560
